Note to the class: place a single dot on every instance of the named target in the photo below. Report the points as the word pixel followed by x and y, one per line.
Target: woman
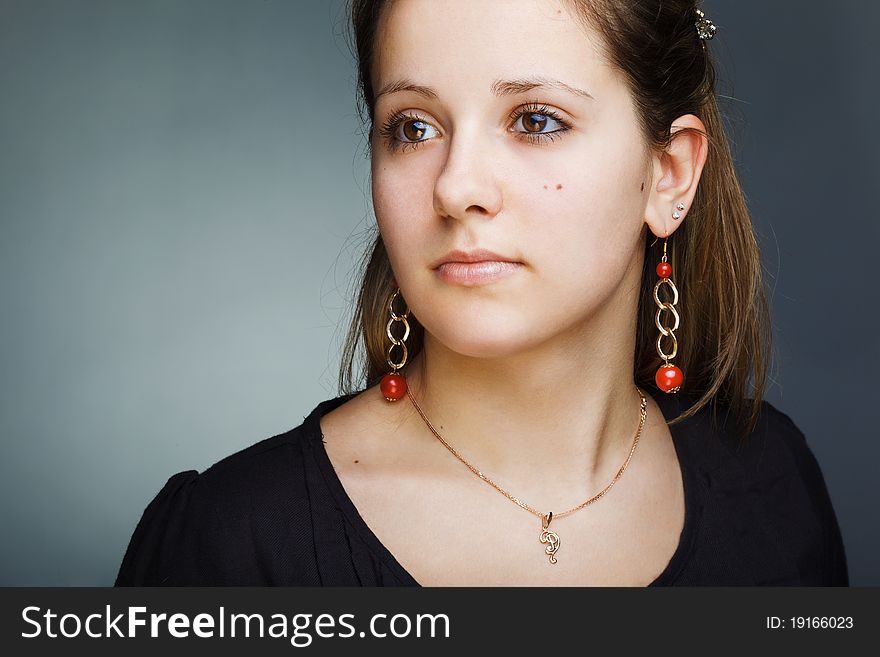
pixel 561 315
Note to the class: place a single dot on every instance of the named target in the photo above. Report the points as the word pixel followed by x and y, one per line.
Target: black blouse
pixel 276 514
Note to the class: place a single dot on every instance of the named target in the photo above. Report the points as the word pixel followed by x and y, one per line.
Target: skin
pixel 529 377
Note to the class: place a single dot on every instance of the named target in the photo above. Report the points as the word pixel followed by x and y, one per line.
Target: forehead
pixel 465 44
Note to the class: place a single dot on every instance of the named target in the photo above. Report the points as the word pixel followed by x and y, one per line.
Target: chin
pixel 476 343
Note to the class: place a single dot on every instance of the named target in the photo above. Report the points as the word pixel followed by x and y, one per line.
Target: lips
pixel 478 255
pixel 471 268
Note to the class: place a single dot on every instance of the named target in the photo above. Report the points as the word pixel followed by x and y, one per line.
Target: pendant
pixel 551 538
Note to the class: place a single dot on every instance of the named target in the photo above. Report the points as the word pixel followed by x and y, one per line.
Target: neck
pixel 564 412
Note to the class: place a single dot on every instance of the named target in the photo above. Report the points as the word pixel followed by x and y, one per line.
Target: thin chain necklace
pixel 547 537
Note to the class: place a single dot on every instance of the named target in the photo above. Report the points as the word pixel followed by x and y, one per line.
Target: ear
pixel 676 173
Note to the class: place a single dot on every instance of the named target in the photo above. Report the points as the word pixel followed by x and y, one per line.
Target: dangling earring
pixel 393 384
pixel 668 377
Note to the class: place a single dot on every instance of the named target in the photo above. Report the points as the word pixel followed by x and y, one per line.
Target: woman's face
pixel 476 156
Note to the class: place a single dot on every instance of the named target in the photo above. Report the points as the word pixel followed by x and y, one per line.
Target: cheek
pixel 583 228
pixel 403 219
pixel 403 182
pixel 394 202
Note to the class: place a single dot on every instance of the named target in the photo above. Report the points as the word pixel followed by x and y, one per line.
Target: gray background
pixel 183 197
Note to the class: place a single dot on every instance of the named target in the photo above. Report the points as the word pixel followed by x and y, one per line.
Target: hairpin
pixel 705 28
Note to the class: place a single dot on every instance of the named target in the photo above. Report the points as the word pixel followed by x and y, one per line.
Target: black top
pixel 276 513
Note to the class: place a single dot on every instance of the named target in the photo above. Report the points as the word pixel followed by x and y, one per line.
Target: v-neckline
pixel 669 405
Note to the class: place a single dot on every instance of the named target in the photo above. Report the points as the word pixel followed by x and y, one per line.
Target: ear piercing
pixel 677 213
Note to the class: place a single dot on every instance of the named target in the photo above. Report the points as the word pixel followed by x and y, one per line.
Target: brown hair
pixel 727 332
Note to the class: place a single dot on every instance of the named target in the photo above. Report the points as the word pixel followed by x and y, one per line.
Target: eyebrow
pixel 499 87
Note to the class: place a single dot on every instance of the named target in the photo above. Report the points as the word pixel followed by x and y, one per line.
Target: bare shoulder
pixel 362 416
pixel 366 430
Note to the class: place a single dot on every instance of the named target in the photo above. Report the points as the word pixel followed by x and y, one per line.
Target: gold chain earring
pixel 393 384
pixel 669 377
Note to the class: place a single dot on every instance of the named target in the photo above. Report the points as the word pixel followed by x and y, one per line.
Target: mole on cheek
pixel 558 186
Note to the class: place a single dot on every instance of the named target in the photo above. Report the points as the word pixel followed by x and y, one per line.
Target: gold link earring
pixel 668 377
pixel 393 384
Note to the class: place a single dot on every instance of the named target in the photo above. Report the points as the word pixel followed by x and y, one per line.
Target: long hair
pixel 725 343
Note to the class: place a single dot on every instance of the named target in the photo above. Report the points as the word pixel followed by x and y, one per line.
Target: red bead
pixel 664 270
pixel 393 386
pixel 669 378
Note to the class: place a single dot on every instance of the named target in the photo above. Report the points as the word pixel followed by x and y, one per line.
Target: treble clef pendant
pixel 551 538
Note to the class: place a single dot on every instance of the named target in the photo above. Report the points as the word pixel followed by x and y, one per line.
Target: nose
pixel 467 186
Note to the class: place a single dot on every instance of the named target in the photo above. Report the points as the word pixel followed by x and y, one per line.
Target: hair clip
pixel 705 28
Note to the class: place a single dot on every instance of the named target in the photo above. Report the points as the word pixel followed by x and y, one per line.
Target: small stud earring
pixel 677 213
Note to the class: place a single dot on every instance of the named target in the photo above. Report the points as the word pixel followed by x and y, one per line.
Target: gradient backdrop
pixel 184 195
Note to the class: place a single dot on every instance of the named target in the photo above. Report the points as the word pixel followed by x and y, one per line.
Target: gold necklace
pixel 547 536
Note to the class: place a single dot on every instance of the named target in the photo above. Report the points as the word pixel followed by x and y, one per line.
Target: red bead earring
pixel 669 377
pixel 393 384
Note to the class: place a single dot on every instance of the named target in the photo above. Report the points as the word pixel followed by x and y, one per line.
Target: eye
pixel 404 130
pixel 534 118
